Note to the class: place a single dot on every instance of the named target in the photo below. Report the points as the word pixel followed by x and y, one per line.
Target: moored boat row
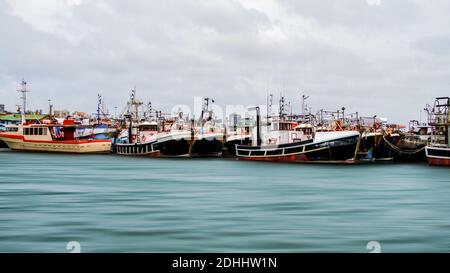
pixel 325 137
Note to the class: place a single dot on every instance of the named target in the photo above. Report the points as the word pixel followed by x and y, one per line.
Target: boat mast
pixel 205 108
pixel 23 90
pixel 304 98
pixel 269 106
pixel 50 109
pixel 99 103
pixel 134 104
pixel 282 109
pixel 149 110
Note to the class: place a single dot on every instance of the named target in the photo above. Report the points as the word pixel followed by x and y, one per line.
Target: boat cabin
pixel 303 132
pixel 43 132
pixel 279 132
pixel 153 126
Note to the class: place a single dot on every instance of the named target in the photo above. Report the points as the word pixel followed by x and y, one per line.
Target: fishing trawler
pixel 373 145
pixel 377 144
pixel 140 136
pixel 410 146
pixel 142 141
pixel 208 141
pixel 240 134
pixel 379 139
pixel 175 138
pixel 209 136
pixel 237 138
pixel 438 151
pixel 288 141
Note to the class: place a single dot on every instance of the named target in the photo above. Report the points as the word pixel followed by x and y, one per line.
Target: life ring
pixel 143 138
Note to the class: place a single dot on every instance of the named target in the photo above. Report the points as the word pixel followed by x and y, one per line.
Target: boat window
pixel 44 131
pixel 40 131
pixel 285 126
pixel 12 129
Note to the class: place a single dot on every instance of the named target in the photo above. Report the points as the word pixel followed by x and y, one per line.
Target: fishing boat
pixel 240 134
pixel 209 136
pixel 208 142
pixel 48 136
pixel 101 127
pixel 410 145
pixel 175 138
pixel 142 141
pixel 288 141
pixel 140 135
pixel 377 146
pixel 51 138
pixel 438 151
pixel 240 137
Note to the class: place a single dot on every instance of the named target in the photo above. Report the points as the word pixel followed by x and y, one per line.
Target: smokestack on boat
pixel 258 135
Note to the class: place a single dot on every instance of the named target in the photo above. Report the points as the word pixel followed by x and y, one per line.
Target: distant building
pixel 60 113
pixel 17 118
pixel 78 114
pixel 2 108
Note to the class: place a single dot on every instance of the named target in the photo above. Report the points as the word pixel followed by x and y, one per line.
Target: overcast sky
pixel 385 57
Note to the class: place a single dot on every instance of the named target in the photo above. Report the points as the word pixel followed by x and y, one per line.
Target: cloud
pixel 369 57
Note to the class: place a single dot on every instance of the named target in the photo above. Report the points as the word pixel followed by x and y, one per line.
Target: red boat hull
pixel 287 158
pixel 298 159
pixel 438 161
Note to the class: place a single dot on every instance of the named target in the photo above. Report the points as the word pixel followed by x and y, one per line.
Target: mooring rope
pixel 403 151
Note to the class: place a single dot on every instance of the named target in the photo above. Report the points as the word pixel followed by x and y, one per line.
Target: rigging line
pixel 402 151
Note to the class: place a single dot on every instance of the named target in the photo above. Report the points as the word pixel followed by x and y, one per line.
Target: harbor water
pixel 109 203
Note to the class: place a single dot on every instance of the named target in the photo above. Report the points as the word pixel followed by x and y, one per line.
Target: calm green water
pixel 117 204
